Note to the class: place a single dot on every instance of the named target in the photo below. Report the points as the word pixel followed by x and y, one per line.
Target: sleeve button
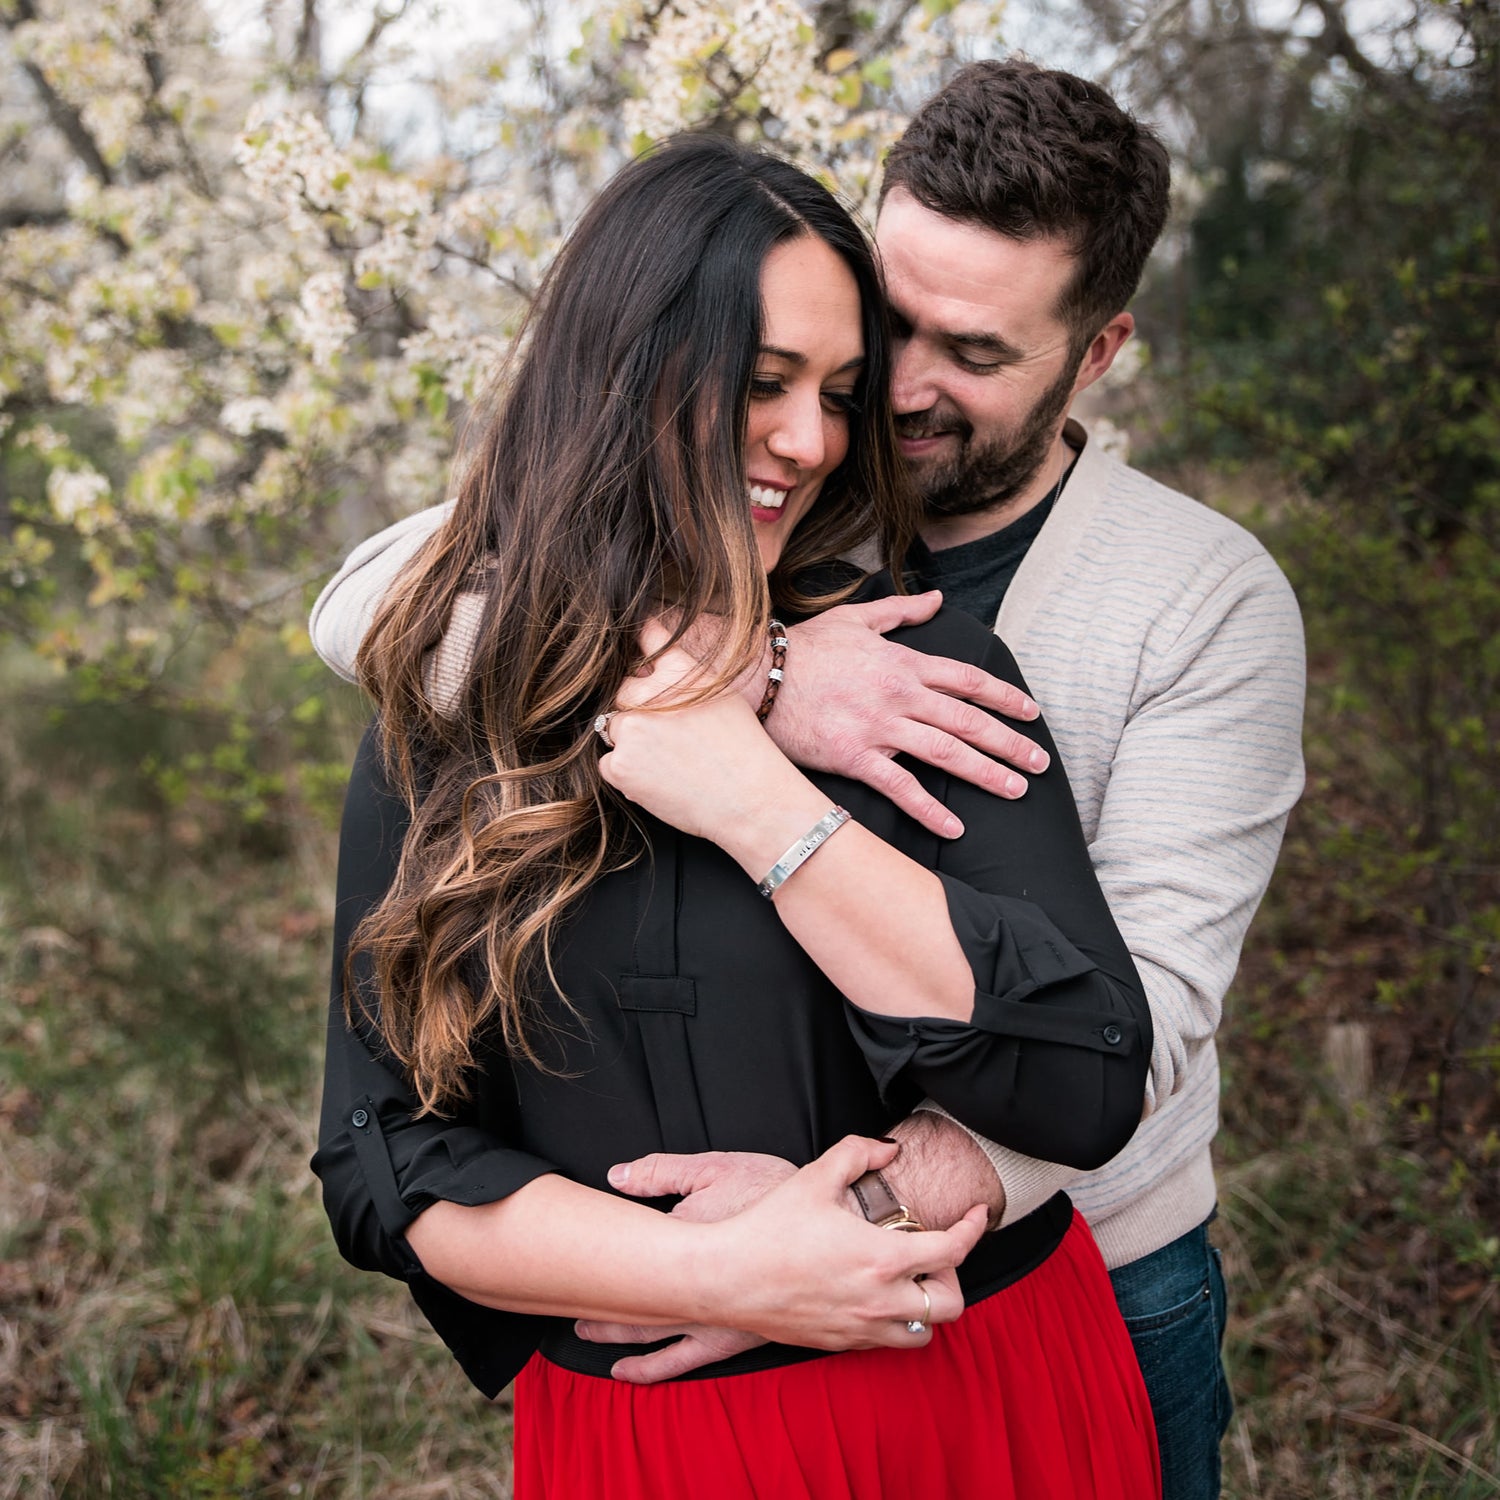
pixel 360 1118
pixel 1113 1035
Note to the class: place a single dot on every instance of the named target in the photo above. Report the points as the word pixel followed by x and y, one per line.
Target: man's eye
pixel 978 366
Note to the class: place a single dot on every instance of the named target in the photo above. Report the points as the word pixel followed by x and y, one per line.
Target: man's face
pixel 984 368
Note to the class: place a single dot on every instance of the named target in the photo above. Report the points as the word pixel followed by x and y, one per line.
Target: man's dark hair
pixel 1033 153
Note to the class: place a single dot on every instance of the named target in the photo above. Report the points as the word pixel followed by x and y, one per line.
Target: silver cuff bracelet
pixel 803 849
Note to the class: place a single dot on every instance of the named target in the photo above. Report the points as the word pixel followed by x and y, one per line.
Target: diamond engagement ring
pixel 919 1325
pixel 601 727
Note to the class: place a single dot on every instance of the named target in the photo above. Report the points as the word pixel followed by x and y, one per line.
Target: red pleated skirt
pixel 1034 1394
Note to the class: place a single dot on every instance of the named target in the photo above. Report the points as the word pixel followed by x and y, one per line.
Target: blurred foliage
pixel 1342 334
pixel 1325 333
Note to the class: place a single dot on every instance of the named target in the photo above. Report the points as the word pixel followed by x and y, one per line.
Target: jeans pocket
pixel 1219 1302
pixel 1156 1321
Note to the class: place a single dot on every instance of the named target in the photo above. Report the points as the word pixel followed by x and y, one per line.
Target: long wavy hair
pixel 608 488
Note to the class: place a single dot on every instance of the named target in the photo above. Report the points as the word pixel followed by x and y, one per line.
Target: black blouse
pixel 699 1024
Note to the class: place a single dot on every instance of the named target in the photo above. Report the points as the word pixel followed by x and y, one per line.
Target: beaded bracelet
pixel 777 672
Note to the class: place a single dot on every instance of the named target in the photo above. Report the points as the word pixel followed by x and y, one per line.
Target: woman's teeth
pixel 766 499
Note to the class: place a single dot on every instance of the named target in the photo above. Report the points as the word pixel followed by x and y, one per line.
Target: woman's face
pixel 802 391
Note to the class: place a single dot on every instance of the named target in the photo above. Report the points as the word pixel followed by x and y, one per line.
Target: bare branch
pixel 886 36
pixel 15 216
pixel 379 23
pixel 65 119
pixel 308 46
pixel 1337 42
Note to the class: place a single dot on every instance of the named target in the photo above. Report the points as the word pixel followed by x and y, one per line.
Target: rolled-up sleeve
pixel 380 1166
pixel 1053 1062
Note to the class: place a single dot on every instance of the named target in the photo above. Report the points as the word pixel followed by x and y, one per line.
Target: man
pixel 1018 211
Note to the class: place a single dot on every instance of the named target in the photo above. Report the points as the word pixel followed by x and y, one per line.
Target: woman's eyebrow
pixel 801 359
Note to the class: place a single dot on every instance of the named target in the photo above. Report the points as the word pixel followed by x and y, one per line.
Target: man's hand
pixel 713 1185
pixel 695 1347
pixel 940 1173
pixel 852 701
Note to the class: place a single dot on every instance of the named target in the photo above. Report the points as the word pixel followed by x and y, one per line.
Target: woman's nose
pixel 799 437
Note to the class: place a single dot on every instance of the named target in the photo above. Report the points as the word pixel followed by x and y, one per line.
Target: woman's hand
pixel 799 1268
pixel 704 767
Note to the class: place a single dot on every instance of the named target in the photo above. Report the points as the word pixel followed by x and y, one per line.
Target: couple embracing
pixel 697 861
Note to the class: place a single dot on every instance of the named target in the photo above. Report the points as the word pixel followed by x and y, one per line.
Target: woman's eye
pixel 766 385
pixel 844 403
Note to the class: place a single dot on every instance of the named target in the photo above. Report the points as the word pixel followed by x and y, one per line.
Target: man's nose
pixel 913 383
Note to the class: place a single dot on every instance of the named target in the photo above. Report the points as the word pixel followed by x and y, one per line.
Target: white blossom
pixel 466 356
pixel 414 476
pixel 80 497
pixel 248 263
pixel 42 438
pixel 322 319
pixel 1113 440
pixel 246 414
pixel 156 392
pixel 1127 365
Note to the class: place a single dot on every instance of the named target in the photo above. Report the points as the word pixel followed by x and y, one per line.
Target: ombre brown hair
pixel 609 488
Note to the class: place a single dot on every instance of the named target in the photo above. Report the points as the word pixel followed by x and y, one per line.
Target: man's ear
pixel 1100 354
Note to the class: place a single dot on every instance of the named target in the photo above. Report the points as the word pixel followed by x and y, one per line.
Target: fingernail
pixel 1029 709
pixel 619 1175
pixel 890 1140
pixel 1014 785
pixel 952 827
pixel 1039 760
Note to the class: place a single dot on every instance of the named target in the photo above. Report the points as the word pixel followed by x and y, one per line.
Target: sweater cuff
pixel 1028 1183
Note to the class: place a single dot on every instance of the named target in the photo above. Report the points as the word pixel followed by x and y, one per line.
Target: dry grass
pixel 1359 1235
pixel 175 1322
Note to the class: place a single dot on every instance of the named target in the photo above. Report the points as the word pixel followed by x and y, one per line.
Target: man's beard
pixel 983 476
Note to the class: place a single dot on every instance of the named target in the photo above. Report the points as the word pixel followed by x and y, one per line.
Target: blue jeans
pixel 1173 1304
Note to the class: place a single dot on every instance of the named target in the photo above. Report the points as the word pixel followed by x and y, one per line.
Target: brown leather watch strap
pixel 879 1204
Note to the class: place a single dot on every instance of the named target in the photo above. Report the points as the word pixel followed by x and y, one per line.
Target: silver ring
pixel 919 1325
pixel 601 727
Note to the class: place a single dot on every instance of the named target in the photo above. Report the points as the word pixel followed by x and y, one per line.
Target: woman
pixel 563 961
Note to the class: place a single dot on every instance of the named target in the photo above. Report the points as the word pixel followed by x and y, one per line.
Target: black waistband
pixel 996 1262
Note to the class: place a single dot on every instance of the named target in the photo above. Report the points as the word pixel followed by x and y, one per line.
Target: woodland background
pixel 256 260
